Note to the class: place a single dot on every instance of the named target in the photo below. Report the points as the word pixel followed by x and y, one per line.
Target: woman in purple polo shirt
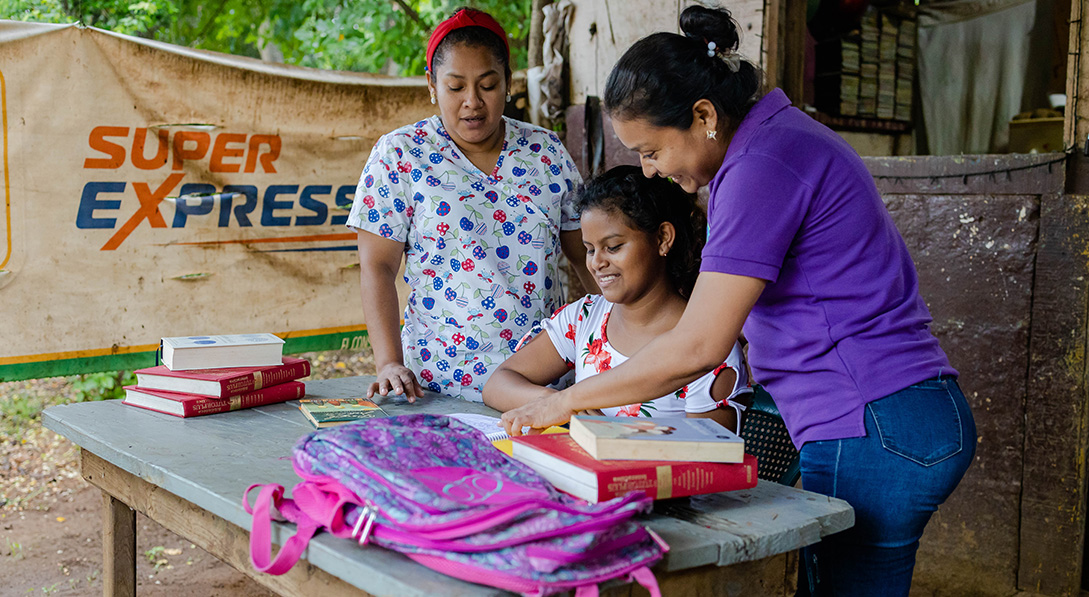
pixel 802 252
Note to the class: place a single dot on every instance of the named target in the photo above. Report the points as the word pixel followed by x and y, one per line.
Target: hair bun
pixel 710 24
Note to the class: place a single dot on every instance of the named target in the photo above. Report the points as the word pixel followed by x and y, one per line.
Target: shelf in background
pixel 865 125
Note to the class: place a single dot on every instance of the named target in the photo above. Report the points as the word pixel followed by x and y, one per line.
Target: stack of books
pixel 905 68
pixel 869 72
pixel 203 375
pixel 837 81
pixel 870 64
pixel 606 457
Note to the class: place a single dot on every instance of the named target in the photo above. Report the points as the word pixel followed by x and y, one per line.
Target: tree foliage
pixel 361 35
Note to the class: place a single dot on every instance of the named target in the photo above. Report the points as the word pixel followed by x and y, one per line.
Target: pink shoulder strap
pixel 261 533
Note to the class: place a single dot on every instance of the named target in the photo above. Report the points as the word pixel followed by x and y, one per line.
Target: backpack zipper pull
pixel 366 521
pixel 359 522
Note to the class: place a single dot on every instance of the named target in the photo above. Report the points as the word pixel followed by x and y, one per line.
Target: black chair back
pixel 766 437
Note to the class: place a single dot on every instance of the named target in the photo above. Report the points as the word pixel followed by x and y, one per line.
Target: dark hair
pixel 477 37
pixel 648 203
pixel 661 76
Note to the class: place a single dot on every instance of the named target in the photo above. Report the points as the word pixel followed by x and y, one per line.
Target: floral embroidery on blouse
pixel 580 336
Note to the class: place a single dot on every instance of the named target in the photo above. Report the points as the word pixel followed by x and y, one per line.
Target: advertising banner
pixel 151 190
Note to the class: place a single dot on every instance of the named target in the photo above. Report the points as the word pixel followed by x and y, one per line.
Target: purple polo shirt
pixel 840 322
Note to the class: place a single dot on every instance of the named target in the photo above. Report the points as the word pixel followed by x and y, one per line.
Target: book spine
pixel 271 395
pixel 678 480
pixel 257 380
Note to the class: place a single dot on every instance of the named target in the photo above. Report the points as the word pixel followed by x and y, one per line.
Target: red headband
pixel 466 17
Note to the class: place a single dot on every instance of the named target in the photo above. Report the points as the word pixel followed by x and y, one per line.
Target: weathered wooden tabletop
pixel 209 461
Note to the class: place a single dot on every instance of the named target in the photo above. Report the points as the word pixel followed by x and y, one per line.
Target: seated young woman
pixel 643 239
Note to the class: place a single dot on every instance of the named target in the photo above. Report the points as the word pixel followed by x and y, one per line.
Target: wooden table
pixel 189 474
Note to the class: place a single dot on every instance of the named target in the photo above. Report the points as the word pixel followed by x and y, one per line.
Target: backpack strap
pixel 587 591
pixel 645 577
pixel 261 532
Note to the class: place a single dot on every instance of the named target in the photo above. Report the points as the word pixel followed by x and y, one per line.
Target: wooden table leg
pixel 118 548
pixel 219 537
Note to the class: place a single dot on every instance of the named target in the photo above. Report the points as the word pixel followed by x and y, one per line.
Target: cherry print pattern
pixel 481 248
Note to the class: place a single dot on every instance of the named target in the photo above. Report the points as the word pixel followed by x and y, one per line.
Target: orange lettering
pixel 202 139
pixel 98 142
pixel 139 144
pixel 220 151
pixel 149 209
pixel 273 142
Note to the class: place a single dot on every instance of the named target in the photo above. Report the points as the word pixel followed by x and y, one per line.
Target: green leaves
pixel 380 36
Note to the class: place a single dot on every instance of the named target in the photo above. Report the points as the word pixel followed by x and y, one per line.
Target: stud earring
pixel 712 134
pixel 432 99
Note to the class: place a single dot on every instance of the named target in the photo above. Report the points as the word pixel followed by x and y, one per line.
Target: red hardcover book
pixel 561 461
pixel 222 383
pixel 194 405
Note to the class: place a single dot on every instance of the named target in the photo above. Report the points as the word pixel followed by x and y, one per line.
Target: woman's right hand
pixel 395 378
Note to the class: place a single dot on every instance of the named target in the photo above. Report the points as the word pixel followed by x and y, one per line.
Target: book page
pixel 490 426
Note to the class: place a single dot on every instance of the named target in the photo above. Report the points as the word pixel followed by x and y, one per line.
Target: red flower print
pixel 631 410
pixel 682 393
pixel 605 324
pixel 597 356
pixel 570 335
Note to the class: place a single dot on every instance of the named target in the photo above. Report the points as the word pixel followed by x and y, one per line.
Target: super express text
pixel 225 153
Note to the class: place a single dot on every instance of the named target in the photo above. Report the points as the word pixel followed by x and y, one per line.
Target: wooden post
pixel 118 548
pixel 1056 422
pixel 784 46
pixel 1076 125
pixel 536 33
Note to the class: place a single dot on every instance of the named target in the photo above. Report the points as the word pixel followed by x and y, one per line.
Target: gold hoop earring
pixel 712 134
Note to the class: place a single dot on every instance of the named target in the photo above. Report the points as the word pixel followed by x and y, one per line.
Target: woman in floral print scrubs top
pixel 478 211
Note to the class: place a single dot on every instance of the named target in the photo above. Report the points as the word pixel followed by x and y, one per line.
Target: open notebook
pixel 493 430
pixel 490 426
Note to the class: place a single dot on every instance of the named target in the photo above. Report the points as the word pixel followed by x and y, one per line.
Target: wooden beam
pixel 784 46
pixel 1056 422
pixel 224 540
pixel 118 548
pixel 1076 125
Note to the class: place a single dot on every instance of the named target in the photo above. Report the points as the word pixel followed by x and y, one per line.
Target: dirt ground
pixel 50 518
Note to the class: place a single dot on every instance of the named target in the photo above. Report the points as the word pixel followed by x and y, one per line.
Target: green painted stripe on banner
pixel 356 340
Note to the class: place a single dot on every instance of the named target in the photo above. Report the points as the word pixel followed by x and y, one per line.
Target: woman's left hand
pixel 538 414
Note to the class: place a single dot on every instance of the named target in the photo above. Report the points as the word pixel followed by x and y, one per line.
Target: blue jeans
pixel 919 442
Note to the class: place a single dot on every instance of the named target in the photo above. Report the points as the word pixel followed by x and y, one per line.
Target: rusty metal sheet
pixel 975 255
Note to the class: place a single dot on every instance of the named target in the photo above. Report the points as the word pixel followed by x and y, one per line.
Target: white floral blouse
pixel 579 333
pixel 481 249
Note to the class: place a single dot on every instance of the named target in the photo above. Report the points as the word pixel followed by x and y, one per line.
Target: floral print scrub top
pixel 481 249
pixel 578 331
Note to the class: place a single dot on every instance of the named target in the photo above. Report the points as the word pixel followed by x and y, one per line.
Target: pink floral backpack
pixel 437 491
